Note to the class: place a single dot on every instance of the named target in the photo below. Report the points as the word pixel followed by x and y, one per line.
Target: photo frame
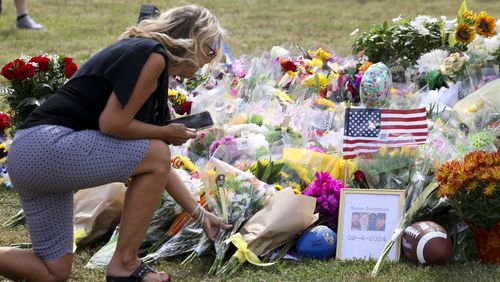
pixel 367 220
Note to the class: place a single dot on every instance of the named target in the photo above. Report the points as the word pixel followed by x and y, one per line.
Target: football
pixel 318 243
pixel 427 243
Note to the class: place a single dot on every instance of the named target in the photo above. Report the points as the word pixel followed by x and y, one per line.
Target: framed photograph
pixel 367 220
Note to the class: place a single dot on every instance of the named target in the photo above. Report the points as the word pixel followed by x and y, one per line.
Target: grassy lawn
pixel 80 28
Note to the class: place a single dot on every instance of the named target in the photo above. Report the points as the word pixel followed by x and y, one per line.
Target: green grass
pixel 80 28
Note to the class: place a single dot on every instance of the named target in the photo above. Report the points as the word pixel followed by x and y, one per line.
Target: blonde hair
pixel 183 31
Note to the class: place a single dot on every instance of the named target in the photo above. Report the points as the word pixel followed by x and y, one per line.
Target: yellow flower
pixel 315 63
pixel 470 17
pixel 296 191
pixel 322 54
pixel 405 151
pixel 3 160
pixel 278 187
pixel 382 151
pixel 311 80
pixel 485 25
pixel 324 102
pixel 394 152
pixel 464 33
pixel 488 191
pixel 172 93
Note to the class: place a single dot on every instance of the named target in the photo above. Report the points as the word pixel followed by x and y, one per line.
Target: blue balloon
pixel 319 242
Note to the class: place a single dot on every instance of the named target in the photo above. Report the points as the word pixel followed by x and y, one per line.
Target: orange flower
pixel 464 33
pixel 485 25
pixel 364 67
pixel 490 188
pixel 472 186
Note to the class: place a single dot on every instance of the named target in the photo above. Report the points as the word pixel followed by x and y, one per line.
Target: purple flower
pixel 326 190
pixel 239 68
pixel 226 140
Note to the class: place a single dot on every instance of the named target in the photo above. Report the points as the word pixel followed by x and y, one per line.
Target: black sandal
pixel 137 276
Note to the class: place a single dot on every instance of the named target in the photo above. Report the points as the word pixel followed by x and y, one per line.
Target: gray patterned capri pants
pixel 47 163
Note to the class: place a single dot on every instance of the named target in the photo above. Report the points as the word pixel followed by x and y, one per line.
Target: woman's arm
pixel 120 123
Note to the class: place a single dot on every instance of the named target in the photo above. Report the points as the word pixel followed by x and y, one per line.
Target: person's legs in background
pixel 24 21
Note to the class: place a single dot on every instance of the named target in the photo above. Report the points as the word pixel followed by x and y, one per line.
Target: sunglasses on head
pixel 212 49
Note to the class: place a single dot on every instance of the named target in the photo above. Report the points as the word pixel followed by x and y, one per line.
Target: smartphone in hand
pixel 197 121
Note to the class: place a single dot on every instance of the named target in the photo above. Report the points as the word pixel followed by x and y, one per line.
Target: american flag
pixel 366 130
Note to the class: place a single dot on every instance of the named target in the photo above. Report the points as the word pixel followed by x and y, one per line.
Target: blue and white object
pixel 319 242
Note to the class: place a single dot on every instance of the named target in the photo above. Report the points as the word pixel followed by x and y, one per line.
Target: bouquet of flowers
pixel 34 79
pixel 326 190
pixel 234 196
pixel 473 189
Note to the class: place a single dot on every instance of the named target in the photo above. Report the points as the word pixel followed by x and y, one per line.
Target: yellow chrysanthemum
pixel 322 54
pixel 319 78
pixel 490 188
pixel 315 63
pixel 297 191
pixel 278 187
pixel 464 33
pixel 485 25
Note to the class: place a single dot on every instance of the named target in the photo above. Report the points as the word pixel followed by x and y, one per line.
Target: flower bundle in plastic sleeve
pixel 233 195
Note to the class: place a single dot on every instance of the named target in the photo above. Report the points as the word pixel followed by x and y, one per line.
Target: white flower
pixel 398 19
pixel 279 52
pixel 354 32
pixel 449 25
pixel 432 60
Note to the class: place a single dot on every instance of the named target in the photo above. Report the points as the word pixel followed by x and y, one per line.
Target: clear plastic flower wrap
pixel 233 195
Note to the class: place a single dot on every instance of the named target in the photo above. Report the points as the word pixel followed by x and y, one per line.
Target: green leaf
pixel 461 11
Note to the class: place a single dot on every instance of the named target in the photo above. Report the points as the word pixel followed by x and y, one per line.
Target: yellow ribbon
pixel 243 253
pixel 77 236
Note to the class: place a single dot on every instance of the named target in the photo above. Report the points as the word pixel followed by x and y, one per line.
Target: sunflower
pixel 464 33
pixel 485 25
pixel 470 17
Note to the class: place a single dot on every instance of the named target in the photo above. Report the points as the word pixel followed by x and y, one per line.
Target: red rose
pixel 68 61
pixel 29 70
pixel 43 62
pixel 19 63
pixel 288 65
pixel 7 71
pixel 185 107
pixel 70 69
pixel 359 176
pixel 4 121
pixel 19 73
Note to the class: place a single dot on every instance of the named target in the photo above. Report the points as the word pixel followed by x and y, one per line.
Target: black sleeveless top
pixel 79 103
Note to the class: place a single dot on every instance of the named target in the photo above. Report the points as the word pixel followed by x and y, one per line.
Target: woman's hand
pixel 177 134
pixel 212 225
